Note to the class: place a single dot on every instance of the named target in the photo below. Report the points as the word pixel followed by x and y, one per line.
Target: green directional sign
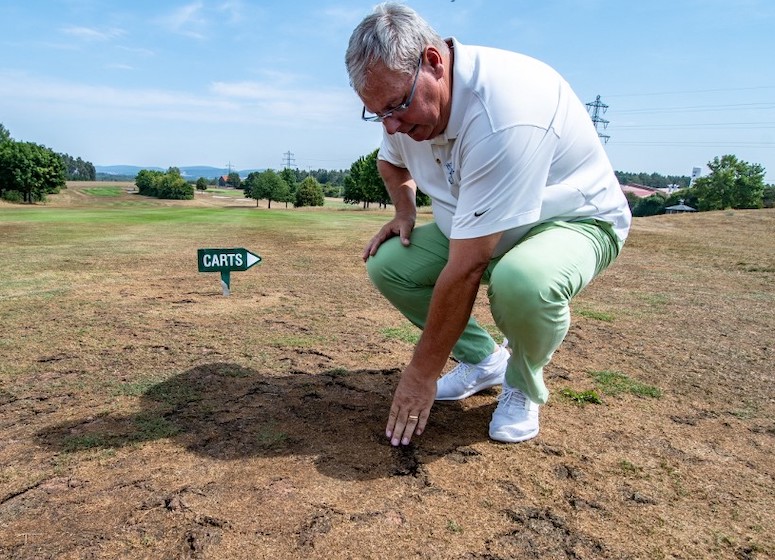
pixel 224 261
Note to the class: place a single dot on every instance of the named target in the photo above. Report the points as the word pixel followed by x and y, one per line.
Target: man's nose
pixel 392 124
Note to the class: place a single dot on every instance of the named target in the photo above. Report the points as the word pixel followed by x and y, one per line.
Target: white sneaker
pixel 516 417
pixel 466 379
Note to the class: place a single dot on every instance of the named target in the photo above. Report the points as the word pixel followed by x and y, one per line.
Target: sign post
pixel 224 261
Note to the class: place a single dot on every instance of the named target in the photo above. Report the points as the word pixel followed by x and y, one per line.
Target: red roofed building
pixel 641 191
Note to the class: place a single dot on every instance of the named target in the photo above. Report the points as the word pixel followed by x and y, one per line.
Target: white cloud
pixel 223 103
pixel 187 20
pixel 91 34
pixel 234 9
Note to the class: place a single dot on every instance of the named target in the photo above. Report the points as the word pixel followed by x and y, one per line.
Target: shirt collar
pixel 461 75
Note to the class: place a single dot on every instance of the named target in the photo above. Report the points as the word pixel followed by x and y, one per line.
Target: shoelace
pixel 512 397
pixel 461 371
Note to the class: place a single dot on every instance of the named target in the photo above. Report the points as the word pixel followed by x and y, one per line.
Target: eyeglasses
pixel 380 117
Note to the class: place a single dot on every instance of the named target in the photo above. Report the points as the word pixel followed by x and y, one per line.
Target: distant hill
pixel 191 172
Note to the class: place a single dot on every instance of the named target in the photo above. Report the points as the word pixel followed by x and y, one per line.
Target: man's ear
pixel 435 60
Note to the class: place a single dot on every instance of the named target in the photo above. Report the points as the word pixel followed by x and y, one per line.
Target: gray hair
pixel 393 34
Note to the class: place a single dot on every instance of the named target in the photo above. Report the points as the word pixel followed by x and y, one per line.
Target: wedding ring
pixel 414 417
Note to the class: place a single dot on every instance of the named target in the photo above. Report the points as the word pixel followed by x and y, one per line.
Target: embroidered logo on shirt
pixel 450 172
pixel 478 214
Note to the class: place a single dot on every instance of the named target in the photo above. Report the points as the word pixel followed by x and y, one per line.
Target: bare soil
pixel 145 415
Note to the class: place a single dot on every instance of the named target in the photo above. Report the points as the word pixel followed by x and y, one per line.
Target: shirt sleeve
pixel 388 151
pixel 502 178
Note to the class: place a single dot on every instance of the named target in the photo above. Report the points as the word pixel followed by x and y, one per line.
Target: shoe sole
pixel 472 391
pixel 507 439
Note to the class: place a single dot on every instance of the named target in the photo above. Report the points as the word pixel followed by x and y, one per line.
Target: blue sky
pixel 219 82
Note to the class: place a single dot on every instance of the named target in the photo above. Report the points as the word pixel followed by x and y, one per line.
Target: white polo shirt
pixel 519 149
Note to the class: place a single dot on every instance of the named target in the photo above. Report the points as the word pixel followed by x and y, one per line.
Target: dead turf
pixel 145 415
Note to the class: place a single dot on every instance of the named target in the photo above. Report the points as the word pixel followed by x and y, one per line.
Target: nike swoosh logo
pixel 478 214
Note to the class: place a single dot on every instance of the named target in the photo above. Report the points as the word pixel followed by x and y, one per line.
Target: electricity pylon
pixel 598 108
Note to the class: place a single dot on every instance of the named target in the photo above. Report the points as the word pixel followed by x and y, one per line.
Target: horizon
pixel 243 84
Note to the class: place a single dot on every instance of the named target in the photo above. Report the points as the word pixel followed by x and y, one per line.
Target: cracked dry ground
pixel 160 420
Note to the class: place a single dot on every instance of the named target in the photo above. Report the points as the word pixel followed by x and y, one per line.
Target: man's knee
pixel 525 289
pixel 381 266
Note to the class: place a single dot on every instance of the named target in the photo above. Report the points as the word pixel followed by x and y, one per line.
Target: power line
pixel 717 90
pixel 694 144
pixel 728 126
pixel 699 108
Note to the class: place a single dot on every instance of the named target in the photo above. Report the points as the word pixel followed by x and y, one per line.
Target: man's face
pixel 386 89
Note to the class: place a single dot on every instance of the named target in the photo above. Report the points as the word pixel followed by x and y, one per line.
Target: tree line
pixel 732 183
pixel 30 171
pixel 363 184
pixel 274 186
pixel 283 186
pixel 654 180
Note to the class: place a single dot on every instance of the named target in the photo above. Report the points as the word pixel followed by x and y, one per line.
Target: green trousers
pixel 529 288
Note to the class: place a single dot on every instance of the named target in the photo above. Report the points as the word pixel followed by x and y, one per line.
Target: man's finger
pixel 399 434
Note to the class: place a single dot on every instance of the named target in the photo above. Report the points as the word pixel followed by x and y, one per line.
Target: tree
pixel 364 184
pixel 687 196
pixel 78 169
pixel 5 135
pixel 309 193
pixel 652 179
pixel 632 199
pixel 650 206
pixel 266 184
pixel 768 198
pixel 30 169
pixel 234 180
pixel 732 183
pixel 289 176
pixel 201 184
pixel 145 182
pixel 169 185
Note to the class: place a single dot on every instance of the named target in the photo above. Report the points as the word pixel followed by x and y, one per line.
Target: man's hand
pixel 411 406
pixel 398 226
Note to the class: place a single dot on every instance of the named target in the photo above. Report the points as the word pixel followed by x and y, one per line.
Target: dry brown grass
pixel 145 415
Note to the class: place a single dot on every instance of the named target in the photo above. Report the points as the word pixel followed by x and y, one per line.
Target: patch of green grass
pixel 105 191
pixel 654 299
pixel 133 388
pixel 615 383
pixel 405 333
pixel 596 315
pixel 152 426
pixel 270 437
pixel 173 393
pixel 746 412
pixel 80 443
pixel 454 527
pixel 630 468
pixel 582 398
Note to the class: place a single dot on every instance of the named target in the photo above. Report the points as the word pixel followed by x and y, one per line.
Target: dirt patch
pixel 144 415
